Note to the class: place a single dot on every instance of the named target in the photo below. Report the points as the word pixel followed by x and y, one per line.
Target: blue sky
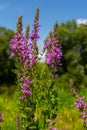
pixel 50 11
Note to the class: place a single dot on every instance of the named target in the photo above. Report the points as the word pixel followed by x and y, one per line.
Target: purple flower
pixel 19 46
pixel 28 92
pixel 29 81
pixel 22 79
pixel 23 48
pixel 32 62
pixel 26 88
pixel 82 106
pixel 80 103
pixel 53 54
pixel 34 36
pixel 24 85
pixel 22 97
pixel 1 117
pixel 82 115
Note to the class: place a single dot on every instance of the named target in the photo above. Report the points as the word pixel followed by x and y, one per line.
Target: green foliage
pixel 8 108
pixel 70 25
pixel 6 61
pixel 74 46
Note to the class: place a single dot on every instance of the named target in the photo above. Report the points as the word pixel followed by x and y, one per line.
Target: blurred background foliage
pixel 6 60
pixel 74 45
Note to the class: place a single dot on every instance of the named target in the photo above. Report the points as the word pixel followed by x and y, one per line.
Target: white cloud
pixel 82 21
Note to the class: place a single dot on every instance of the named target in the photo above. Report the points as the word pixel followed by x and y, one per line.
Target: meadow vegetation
pixel 67 118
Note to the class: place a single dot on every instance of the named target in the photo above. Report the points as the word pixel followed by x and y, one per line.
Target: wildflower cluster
pixel 31 97
pixel 82 106
pixel 80 103
pixel 53 54
pixel 34 36
pixel 26 88
pixel 19 46
pixel 24 48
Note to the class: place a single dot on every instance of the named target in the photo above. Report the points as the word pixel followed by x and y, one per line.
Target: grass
pixel 67 119
pixel 8 108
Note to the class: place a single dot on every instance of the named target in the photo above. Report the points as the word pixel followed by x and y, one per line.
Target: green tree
pixel 74 46
pixel 6 61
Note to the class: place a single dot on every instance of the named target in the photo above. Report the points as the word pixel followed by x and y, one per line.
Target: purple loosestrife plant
pixel 82 107
pixel 19 47
pixel 34 37
pixel 33 94
pixel 26 89
pixel 24 48
pixel 22 51
pixel 53 54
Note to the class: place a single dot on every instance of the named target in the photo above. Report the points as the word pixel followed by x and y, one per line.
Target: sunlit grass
pixel 67 119
pixel 8 108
